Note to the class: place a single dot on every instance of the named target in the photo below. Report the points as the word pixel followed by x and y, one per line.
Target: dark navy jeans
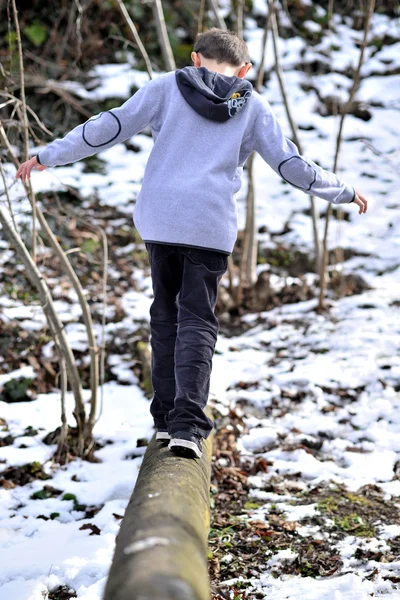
pixel 184 330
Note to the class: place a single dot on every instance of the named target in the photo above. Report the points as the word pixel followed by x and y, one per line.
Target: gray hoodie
pixel 204 125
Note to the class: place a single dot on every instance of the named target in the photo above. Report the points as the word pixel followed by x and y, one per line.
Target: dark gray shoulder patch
pixel 110 130
pixel 297 169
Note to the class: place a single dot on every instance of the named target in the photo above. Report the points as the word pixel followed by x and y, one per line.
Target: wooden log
pixel 161 548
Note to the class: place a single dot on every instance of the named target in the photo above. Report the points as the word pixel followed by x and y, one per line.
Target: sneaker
pixel 162 434
pixel 187 444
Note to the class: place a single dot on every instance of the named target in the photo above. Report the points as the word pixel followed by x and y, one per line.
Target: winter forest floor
pixel 305 490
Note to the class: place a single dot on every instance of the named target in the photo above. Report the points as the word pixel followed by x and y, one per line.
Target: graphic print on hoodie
pixel 213 95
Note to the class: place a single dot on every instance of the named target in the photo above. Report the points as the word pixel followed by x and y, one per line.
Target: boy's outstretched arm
pixel 99 132
pixel 284 158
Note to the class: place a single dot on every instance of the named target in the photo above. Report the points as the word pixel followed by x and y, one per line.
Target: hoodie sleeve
pixel 106 129
pixel 284 158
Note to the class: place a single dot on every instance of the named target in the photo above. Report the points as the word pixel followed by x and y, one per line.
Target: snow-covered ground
pixel 345 365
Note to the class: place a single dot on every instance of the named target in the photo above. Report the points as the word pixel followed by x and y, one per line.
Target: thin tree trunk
pixel 92 420
pixel 231 267
pixel 214 7
pixel 330 13
pixel 135 36
pixel 93 350
pixel 7 196
pixel 46 300
pixel 163 38
pixel 57 326
pixel 356 82
pixel 62 445
pixel 261 69
pixel 239 18
pixel 293 127
pixel 92 416
pixel 64 378
pixel 248 263
pixel 25 124
pixel 200 17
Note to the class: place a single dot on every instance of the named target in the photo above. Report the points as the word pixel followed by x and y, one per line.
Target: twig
pixel 13 99
pixel 247 275
pixel 200 17
pixel 293 127
pixel 7 103
pixel 25 124
pixel 163 38
pixel 72 371
pixel 356 82
pixel 214 7
pixel 67 35
pixel 46 300
pixel 239 18
pixel 7 196
pixel 102 346
pixel 66 96
pixel 135 36
pixel 381 154
pixel 103 330
pixel 248 263
pixel 78 31
pixel 261 68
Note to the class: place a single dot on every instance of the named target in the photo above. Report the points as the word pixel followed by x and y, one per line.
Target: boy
pixel 206 120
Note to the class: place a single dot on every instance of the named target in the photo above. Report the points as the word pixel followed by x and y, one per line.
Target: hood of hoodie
pixel 213 95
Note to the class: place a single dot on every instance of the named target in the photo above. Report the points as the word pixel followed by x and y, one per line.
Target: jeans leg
pixel 196 338
pixel 166 280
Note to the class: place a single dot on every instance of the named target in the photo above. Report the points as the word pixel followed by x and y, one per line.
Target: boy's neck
pixel 223 68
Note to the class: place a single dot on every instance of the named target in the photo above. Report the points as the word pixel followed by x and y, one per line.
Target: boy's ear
pixel 243 70
pixel 196 59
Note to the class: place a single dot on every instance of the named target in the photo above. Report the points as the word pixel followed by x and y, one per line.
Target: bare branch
pixel 65 95
pixel 25 125
pixel 293 126
pixel 239 18
pixel 356 82
pixel 46 300
pixel 163 38
pixel 7 196
pixel 214 7
pixel 96 349
pixel 78 31
pixel 80 412
pixel 261 68
pixel 135 36
pixel 200 17
pixel 248 264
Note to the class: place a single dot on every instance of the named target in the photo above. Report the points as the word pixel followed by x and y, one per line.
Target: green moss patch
pixel 357 513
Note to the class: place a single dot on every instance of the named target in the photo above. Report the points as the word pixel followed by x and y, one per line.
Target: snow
pixel 354 348
pixel 259 438
pixel 74 557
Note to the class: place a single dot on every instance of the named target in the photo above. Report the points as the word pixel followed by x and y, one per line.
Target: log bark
pixel 161 549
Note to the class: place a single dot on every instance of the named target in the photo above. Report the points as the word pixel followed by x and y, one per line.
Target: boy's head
pixel 222 51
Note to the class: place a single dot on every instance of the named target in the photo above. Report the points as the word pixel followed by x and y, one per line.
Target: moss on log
pixel 161 549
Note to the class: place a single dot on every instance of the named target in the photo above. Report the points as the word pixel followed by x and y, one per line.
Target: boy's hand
pixel 24 171
pixel 361 201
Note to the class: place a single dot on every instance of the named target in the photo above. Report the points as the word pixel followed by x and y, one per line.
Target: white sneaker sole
pixel 162 435
pixel 177 444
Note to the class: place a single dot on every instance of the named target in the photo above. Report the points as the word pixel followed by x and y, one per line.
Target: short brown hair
pixel 222 45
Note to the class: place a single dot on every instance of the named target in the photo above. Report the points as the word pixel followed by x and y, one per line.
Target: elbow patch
pixel 296 171
pixel 101 134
